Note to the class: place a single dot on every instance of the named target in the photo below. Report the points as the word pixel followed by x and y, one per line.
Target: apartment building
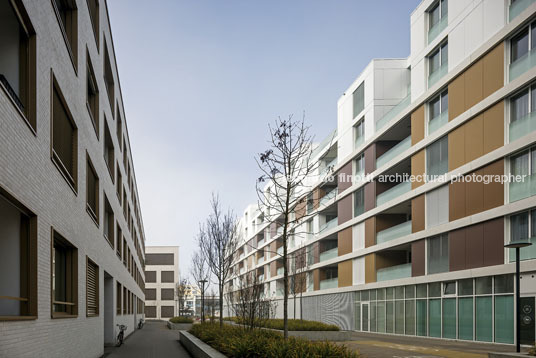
pixel 71 233
pixel 413 257
pixel 161 279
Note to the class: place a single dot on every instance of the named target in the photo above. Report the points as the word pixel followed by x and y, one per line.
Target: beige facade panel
pixel 370 232
pixel 370 268
pixel 345 273
pixel 456 140
pixel 417 125
pixel 344 239
pixel 493 70
pixel 473 85
pixel 456 97
pixel 418 167
pixel 493 120
pixel 417 214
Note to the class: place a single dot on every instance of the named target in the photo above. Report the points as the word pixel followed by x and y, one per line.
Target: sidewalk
pixel 372 345
pixel 154 340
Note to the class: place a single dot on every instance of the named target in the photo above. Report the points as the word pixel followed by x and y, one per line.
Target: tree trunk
pixel 301 304
pixel 221 305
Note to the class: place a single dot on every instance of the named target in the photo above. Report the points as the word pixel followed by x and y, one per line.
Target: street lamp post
pixel 518 244
pixel 203 282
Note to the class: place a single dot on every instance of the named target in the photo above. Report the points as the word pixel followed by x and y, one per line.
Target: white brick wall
pixel 27 172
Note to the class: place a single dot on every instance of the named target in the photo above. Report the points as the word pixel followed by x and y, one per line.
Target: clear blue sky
pixel 202 79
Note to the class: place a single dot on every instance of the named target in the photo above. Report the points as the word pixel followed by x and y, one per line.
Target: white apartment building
pixel 422 258
pixel 71 232
pixel 161 280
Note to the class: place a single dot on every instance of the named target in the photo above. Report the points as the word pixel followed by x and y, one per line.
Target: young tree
pixel 250 305
pixel 200 273
pixel 218 239
pixel 285 165
pixel 298 282
pixel 182 290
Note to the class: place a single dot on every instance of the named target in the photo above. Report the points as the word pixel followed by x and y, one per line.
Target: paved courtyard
pixel 154 340
pixel 372 345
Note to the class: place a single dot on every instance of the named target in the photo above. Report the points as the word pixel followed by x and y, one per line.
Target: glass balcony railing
pixel 328 165
pixel 522 64
pixel 438 122
pixel 437 74
pixel 392 193
pixel 329 283
pixel 394 111
pixel 329 254
pixel 522 126
pixel 329 139
pixel 260 260
pixel 280 271
pixel 523 189
pixel 329 225
pixel 280 250
pixel 394 272
pixel 394 232
pixel 329 196
pixel 517 7
pixel 358 141
pixel 437 28
pixel 393 152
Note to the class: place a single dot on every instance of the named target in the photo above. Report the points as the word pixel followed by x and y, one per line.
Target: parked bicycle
pixel 141 323
pixel 121 335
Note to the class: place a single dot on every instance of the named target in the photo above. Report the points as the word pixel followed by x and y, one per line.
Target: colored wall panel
pixel 474 138
pixel 370 232
pixel 457 250
pixel 344 241
pixel 418 167
pixel 370 195
pixel 345 273
pixel 417 214
pixel 493 70
pixel 370 159
pixel 456 201
pixel 370 268
pixel 456 97
pixel 473 84
pixel 344 207
pixel 493 192
pixel 474 246
pixel 456 140
pixel 417 125
pixel 316 279
pixel 474 196
pixel 494 242
pixel 493 127
pixel 418 254
pixel 344 174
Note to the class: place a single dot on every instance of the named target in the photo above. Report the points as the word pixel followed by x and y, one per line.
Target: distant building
pixel 162 278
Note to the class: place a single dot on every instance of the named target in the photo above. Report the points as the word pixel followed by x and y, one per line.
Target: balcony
pixel 329 196
pixel 394 272
pixel 327 165
pixel 522 65
pixel 437 74
pixel 437 28
pixel 394 232
pixel 280 271
pixel 260 260
pixel 329 283
pixel 329 254
pixel 438 122
pixel 517 8
pixel 329 225
pixel 393 152
pixel 329 139
pixel 523 189
pixel 392 193
pixel 280 251
pixel 523 126
pixel 394 111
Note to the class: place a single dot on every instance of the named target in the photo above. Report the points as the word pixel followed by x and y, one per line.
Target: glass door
pixel 365 316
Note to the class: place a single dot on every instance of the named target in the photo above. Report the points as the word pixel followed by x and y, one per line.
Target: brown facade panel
pixel 474 138
pixel 417 125
pixel 493 128
pixel 316 279
pixel 493 192
pixel 345 175
pixel 344 209
pixel 344 243
pixel 166 311
pixel 457 97
pixel 316 252
pixel 417 214
pixel 474 246
pixel 150 311
pixel 494 242
pixel 370 195
pixel 418 258
pixel 456 200
pixel 474 196
pixel 370 268
pixel 473 84
pixel 299 210
pixel 457 250
pixel 150 276
pixel 370 159
pixel 273 269
pixel 167 276
pixel 316 197
pixel 159 259
pixel 493 70
pixel 345 273
pixel 456 149
pixel 167 294
pixel 418 167
pixel 370 232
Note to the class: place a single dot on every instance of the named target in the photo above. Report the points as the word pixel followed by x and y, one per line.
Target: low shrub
pixel 532 350
pixel 181 319
pixel 293 324
pixel 237 342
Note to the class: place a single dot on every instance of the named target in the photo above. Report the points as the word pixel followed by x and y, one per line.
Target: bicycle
pixel 140 324
pixel 121 335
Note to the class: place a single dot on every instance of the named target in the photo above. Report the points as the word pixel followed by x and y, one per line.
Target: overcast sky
pixel 201 79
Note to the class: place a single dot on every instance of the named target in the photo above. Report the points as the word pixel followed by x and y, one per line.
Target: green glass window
pixel 357 314
pixel 410 316
pixel 421 317
pixel 422 291
pixel 434 312
pixel 380 314
pixel 484 316
pixel 465 318
pixel 359 99
pixel 465 287
pixel 504 319
pixel 449 318
pixel 410 291
pixel 399 292
pixel 389 316
pixel 504 284
pixel 434 289
pixel 483 285
pixel 389 293
pixel 399 317
pixel 372 317
pixel 381 294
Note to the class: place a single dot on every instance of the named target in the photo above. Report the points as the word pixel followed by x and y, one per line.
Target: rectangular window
pixel 119 127
pixel 434 314
pixel 437 206
pixel 522 104
pixel 166 311
pixel 92 288
pixel 92 191
pixel 523 228
pixel 67 15
pixel 125 246
pixel 64 137
pixel 449 318
pixel 119 236
pixel 437 155
pixel 436 12
pixel 484 316
pixel 150 276
pixel 159 259
pixel 93 7
pixel 359 164
pixel 64 277
pixel 167 294
pixel 359 201
pixel 438 109
pixel 167 276
pixel 465 318
pixel 125 300
pixel 522 43
pixel 504 319
pixel 359 133
pixel 108 76
pixel 421 318
pixel 438 254
pixel 109 157
pixel 18 49
pixel 118 299
pixel 18 259
pixel 358 98
pixel 119 184
pixel 438 58
pixel 109 222
pixel 92 95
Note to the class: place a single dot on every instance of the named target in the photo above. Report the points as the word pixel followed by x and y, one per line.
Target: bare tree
pixel 218 239
pixel 285 167
pixel 298 281
pixel 182 290
pixel 200 273
pixel 250 304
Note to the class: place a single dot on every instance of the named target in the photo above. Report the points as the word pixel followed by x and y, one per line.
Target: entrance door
pixel 108 309
pixel 365 317
pixel 526 311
